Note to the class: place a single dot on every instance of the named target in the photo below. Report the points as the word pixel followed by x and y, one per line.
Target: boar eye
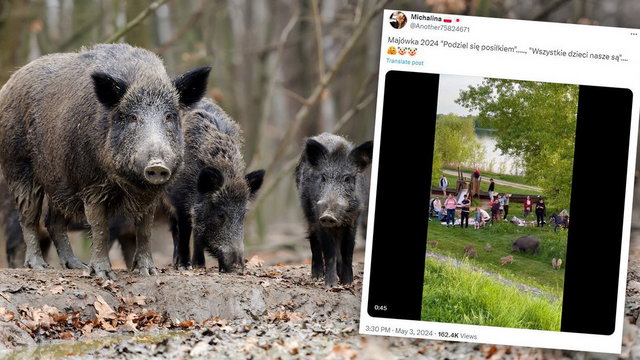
pixel 348 178
pixel 133 117
pixel 323 178
pixel 221 217
pixel 170 116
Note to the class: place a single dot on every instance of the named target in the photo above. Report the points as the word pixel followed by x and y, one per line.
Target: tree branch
pixel 315 96
pixel 193 20
pixel 135 22
pixel 318 30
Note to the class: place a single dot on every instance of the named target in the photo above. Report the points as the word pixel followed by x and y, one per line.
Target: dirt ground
pixel 269 312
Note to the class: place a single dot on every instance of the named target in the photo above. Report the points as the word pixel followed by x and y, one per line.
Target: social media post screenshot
pixel 490 218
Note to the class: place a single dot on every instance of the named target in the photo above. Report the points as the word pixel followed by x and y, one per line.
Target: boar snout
pixel 232 262
pixel 328 220
pixel 157 173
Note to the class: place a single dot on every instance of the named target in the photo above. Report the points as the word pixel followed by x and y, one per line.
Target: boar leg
pixel 198 253
pixel 142 261
pixel 181 232
pixel 347 244
pixel 329 253
pixel 57 227
pixel 29 204
pixel 317 265
pixel 99 264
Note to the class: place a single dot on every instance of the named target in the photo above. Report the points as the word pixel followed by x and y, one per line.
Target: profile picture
pixel 398 19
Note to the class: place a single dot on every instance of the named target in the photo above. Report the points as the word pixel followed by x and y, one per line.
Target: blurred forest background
pixel 283 69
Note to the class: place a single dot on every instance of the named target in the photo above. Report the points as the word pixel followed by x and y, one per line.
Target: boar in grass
pixel 506 260
pixel 526 243
pixel 210 196
pixel 556 263
pixel 432 243
pixel 329 176
pixel 99 133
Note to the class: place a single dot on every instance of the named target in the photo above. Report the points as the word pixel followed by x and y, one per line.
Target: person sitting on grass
pixel 442 215
pixel 437 206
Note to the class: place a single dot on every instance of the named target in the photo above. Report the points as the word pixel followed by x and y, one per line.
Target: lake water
pixel 494 160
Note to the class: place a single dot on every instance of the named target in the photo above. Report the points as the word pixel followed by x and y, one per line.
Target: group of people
pixel 499 207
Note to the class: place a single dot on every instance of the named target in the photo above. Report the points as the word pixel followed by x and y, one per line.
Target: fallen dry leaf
pixel 6 315
pixel 56 290
pixel 255 262
pixel 103 310
pixel 67 335
pixel 199 349
pixel 187 324
pixel 135 300
pixel 129 324
pixel 342 352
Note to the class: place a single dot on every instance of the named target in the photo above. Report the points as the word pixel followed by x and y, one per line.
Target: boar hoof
pixel 144 264
pixel 36 262
pixel 73 262
pixel 102 271
pixel 183 267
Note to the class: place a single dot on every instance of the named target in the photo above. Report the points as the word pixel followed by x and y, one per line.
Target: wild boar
pixel 211 194
pixel 329 176
pixel 98 132
pixel 525 243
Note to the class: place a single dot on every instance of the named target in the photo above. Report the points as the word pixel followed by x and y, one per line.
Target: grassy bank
pixel 456 294
pixel 527 268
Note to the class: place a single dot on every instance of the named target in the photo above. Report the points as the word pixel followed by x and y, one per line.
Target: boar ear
pixel 108 89
pixel 192 85
pixel 254 179
pixel 314 151
pixel 362 155
pixel 210 180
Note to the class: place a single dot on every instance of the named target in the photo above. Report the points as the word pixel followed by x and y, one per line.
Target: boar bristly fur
pixel 212 192
pixel 329 177
pixel 98 132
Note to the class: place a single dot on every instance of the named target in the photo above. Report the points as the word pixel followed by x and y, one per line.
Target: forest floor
pixel 269 312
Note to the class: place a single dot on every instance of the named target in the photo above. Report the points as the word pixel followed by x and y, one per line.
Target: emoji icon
pixel 412 51
pixel 402 50
pixel 391 50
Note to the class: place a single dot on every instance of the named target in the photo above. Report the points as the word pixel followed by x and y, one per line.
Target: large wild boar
pixel 329 177
pixel 98 132
pixel 210 195
pixel 525 243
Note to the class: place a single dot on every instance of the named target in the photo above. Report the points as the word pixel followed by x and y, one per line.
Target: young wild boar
pixel 328 177
pixel 556 263
pixel 99 133
pixel 211 193
pixel 506 260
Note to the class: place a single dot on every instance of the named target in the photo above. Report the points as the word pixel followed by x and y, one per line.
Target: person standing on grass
pixel 492 187
pixel 495 212
pixel 541 210
pixel 501 202
pixel 443 184
pixel 527 206
pixel 479 220
pixel 464 213
pixel 450 204
pixel 506 206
